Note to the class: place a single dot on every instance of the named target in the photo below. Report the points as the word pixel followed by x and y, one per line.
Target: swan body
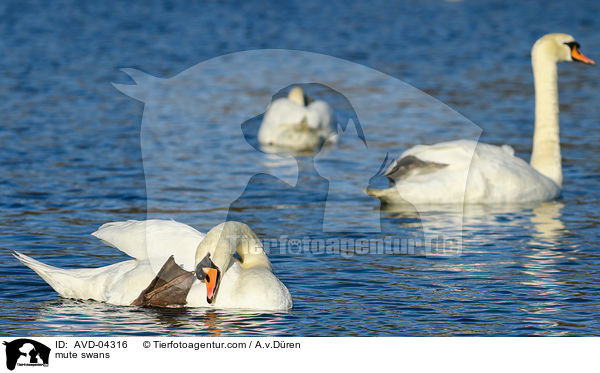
pixel 489 173
pixel 246 284
pixel 295 123
pixel 465 171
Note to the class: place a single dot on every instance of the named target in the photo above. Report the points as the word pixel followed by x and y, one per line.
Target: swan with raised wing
pixel 199 270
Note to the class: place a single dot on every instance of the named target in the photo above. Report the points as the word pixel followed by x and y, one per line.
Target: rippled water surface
pixel 76 153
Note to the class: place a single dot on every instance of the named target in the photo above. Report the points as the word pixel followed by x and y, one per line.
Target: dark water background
pixel 70 160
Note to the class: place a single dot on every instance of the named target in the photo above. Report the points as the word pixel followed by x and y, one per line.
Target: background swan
pixel 222 280
pixel 296 122
pixel 471 172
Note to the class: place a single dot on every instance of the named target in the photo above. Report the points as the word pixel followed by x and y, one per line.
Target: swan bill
pixel 212 283
pixel 208 272
pixel 578 56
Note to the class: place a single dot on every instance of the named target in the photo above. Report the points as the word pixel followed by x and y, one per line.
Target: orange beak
pixel 212 282
pixel 578 56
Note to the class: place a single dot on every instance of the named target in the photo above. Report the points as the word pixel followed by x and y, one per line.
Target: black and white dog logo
pixel 26 352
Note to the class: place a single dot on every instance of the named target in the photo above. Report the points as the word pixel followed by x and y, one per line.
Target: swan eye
pixel 573 44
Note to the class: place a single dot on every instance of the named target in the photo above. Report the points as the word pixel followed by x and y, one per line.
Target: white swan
pixel 470 172
pixel 296 123
pixel 220 280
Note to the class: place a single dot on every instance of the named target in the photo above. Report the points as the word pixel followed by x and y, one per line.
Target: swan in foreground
pixel 199 270
pixel 298 123
pixel 471 172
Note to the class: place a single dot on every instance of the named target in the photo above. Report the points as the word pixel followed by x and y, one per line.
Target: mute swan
pixel 219 279
pixel 297 122
pixel 437 173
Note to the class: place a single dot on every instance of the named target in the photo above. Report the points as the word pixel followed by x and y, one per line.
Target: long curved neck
pixel 231 237
pixel 545 156
pixel 250 249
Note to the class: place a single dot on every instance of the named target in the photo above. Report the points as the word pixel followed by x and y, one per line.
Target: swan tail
pixel 63 281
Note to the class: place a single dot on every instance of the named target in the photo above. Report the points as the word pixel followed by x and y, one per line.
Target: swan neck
pixel 545 156
pixel 251 251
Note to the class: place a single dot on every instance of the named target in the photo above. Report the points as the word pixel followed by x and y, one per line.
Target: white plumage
pixel 293 123
pixel 474 173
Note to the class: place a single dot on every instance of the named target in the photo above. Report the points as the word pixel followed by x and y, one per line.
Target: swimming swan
pixel 296 122
pixel 438 173
pixel 217 279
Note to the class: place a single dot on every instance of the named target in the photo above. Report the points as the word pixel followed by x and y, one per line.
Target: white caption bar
pixel 74 354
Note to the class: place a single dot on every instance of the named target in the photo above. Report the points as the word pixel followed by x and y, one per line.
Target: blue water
pixel 71 159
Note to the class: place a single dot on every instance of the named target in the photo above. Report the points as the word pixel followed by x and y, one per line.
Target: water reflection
pixel 547 222
pixel 483 224
pixel 67 316
pixel 541 267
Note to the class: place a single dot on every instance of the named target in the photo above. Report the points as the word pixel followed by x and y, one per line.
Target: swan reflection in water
pixel 69 317
pixel 476 225
pixel 523 238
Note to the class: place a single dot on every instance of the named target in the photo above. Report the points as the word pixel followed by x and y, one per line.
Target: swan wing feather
pixel 140 238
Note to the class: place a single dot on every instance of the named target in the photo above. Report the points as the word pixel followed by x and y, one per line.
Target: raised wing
pixel 152 238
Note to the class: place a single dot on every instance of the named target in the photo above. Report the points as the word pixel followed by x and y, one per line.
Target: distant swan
pixel 296 123
pixel 215 277
pixel 467 171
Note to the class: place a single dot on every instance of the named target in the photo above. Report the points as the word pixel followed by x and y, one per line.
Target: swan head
pixel 214 254
pixel 559 48
pixel 298 96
